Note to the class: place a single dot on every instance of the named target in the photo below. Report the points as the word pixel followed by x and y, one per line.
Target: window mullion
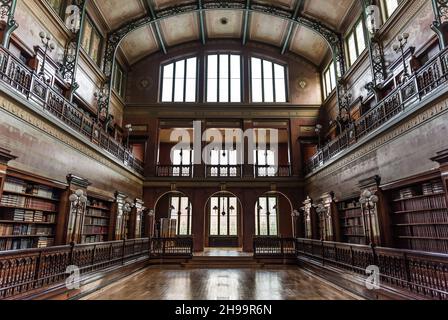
pixel 185 80
pixel 173 89
pixel 273 82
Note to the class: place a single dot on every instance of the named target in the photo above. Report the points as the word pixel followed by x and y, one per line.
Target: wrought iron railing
pixel 224 171
pixel 181 171
pixel 429 78
pixel 172 247
pixel 420 273
pixel 27 270
pixel 274 247
pixel 272 171
pixel 25 82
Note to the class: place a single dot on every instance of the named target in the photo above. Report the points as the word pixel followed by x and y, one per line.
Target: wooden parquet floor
pixel 221 284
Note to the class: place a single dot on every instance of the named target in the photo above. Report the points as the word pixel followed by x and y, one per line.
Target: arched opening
pixel 274 215
pixel 223 223
pixel 173 215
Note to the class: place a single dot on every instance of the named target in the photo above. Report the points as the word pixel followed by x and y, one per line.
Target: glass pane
pixel 268 84
pixel 332 77
pixel 233 226
pixel 86 36
pixel 212 66
pixel 257 93
pixel 360 37
pixel 235 67
pixel 179 90
pixel 279 71
pixel 391 6
pixel 352 48
pixel 212 90
pixel 214 158
pixel 95 46
pixel 190 90
pixel 167 91
pixel 328 82
pixel 235 90
pixel 280 90
pixel 223 90
pixel 213 216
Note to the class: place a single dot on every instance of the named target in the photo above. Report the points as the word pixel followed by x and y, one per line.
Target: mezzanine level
pixel 23 82
pixel 424 86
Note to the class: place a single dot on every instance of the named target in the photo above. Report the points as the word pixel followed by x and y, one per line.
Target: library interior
pixel 215 150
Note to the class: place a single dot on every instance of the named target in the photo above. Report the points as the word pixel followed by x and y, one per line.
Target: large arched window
pixel 223 216
pixel 181 211
pixel 223 78
pixel 266 216
pixel 179 81
pixel 268 81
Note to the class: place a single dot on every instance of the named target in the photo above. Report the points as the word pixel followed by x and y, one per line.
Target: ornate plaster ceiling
pixel 224 23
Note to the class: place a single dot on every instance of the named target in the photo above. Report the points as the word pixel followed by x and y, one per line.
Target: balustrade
pixel 425 81
pixel 27 83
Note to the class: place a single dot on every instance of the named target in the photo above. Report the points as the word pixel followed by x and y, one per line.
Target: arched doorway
pixel 173 215
pixel 223 223
pixel 273 215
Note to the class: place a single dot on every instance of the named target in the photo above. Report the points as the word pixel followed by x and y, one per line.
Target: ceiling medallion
pixel 302 84
pixel 146 83
pixel 224 21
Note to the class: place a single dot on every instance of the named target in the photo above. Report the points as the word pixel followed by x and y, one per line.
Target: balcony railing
pixel 274 247
pixel 272 171
pixel 429 78
pixel 224 171
pixel 420 273
pixel 181 171
pixel 30 86
pixel 24 271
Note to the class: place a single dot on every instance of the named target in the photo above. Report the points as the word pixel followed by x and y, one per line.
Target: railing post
pixel 323 252
pixel 38 267
pixel 123 256
pixel 93 256
pixel 72 253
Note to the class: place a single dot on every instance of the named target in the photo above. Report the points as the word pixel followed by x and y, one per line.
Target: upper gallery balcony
pixel 26 83
pixel 422 86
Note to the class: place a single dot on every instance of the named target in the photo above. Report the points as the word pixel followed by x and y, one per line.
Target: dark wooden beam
pixel 201 22
pixel 246 22
pixel 150 8
pixel 297 9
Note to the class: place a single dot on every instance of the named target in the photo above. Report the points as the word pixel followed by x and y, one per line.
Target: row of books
pixel 433 202
pixel 94 230
pixel 354 231
pixel 352 213
pixel 424 245
pixel 21 244
pixel 20 186
pixel 348 205
pixel 16 244
pixel 428 188
pixel 24 230
pixel 21 215
pixel 93 239
pixel 430 216
pixel 97 203
pixel 13 200
pixel 429 231
pixel 97 213
pixel 96 221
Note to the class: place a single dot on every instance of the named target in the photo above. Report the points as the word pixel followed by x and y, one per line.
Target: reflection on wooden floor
pixel 223 252
pixel 223 284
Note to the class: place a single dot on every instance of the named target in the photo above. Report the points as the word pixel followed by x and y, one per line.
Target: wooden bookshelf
pixel 28 214
pixel 420 216
pixel 351 222
pixel 96 221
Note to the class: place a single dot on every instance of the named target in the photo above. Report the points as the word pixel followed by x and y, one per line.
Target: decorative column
pixel 136 220
pixel 440 24
pixel 5 157
pixel 75 23
pixel 379 215
pixel 70 219
pixel 335 219
pixel 442 159
pixel 372 17
pixel 7 11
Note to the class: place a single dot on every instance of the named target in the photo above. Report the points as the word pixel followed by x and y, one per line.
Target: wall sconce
pixel 48 47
